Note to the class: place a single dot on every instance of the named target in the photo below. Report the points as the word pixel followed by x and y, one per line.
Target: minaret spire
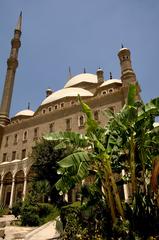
pixel 69 73
pixel 19 23
pixel 12 64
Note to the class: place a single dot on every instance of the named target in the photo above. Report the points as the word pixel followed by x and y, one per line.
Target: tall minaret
pixel 127 73
pixel 12 64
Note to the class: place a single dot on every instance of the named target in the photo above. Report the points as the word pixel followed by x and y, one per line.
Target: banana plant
pixel 89 153
pixel 134 132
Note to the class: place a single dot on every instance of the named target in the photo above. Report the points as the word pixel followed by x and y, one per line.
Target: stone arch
pixel 7 184
pixel 19 184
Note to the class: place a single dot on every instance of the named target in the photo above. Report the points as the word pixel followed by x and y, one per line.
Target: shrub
pixel 2 209
pixel 47 212
pixel 70 217
pixel 30 215
pixel 16 209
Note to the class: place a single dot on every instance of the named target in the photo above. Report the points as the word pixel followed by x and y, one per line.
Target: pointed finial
pixel 84 70
pixel 69 73
pixel 122 46
pixel 110 75
pixel 28 105
pixel 19 24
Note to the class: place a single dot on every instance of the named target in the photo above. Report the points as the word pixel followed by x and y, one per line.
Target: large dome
pixel 111 81
pixel 66 92
pixel 84 77
pixel 25 112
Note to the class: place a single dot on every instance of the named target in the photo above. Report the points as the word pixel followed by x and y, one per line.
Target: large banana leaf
pixel 150 108
pixel 74 159
pixel 68 137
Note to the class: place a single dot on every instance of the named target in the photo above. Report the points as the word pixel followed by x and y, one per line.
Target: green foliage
pixel 45 156
pixel 86 222
pixel 29 215
pixel 16 209
pixel 33 211
pixel 2 210
pixel 40 190
pixel 71 221
pixel 47 212
pixel 128 142
pixel 35 214
pixel 143 215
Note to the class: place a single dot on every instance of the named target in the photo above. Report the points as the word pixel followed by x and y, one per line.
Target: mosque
pixel 59 111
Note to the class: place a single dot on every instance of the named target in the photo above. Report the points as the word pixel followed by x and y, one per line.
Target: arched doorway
pixel 7 183
pixel 19 184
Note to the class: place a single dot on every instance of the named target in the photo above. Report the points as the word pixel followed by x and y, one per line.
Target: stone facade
pixel 60 111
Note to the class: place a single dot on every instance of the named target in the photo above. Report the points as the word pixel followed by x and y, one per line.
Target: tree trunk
pixel 108 197
pixel 115 191
pixel 132 164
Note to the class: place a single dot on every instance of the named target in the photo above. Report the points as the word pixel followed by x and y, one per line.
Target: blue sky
pixel 57 34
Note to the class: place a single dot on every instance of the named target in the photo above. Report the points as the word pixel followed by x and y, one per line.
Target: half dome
pixel 66 92
pixel 111 81
pixel 25 112
pixel 81 78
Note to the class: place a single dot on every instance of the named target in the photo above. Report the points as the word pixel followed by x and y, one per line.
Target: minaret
pixel 12 64
pixel 100 75
pixel 127 73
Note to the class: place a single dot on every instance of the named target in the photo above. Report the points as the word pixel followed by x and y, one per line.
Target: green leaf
pixel 74 159
pixel 131 95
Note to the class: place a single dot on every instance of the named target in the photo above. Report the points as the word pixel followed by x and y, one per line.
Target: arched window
pixel 25 136
pixel 51 127
pixel 6 141
pixel 68 124
pixel 110 90
pixel 50 109
pixel 15 138
pixel 112 109
pixel 62 105
pixel 96 115
pixel 23 154
pixel 44 111
pixel 56 107
pixel 36 133
pixel 81 121
pixel 104 92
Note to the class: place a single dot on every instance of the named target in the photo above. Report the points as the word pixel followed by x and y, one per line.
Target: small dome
pixel 67 92
pixel 123 49
pixel 111 81
pixel 84 77
pixel 26 112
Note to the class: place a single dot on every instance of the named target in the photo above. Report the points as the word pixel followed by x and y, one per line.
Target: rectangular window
pixel 68 124
pixel 4 157
pixel 13 155
pixel 23 154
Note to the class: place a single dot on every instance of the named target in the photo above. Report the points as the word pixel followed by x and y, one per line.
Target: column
pixel 1 190
pixel 24 188
pixel 12 193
